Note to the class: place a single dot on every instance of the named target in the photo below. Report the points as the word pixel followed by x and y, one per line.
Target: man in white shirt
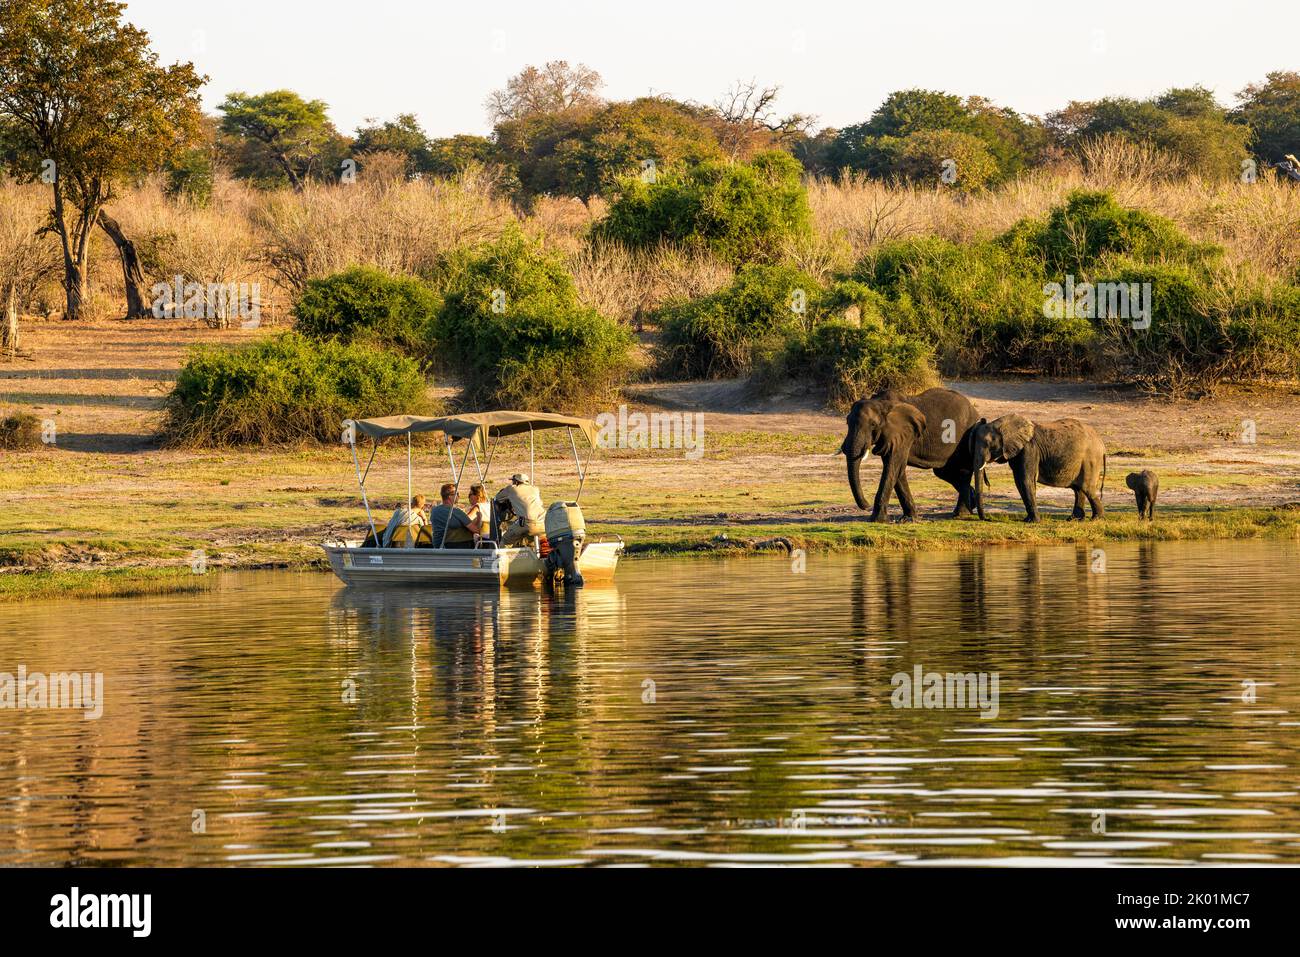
pixel 525 500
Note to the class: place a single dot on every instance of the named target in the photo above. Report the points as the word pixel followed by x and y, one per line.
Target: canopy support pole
pixel 374 447
pixel 409 524
pixel 577 462
pixel 456 475
pixel 361 483
pixel 532 458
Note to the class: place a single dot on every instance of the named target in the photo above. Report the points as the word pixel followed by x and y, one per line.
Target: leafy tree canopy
pixel 1272 110
pixel 280 136
pixel 585 152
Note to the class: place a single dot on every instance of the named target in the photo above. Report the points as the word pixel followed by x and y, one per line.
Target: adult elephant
pixel 925 431
pixel 1066 453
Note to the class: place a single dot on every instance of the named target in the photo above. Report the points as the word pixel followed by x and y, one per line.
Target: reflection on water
pixel 696 711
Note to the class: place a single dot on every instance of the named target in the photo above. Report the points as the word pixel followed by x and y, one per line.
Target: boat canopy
pixel 475 426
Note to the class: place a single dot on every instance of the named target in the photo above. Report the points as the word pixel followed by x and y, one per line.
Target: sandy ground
pixel 765 461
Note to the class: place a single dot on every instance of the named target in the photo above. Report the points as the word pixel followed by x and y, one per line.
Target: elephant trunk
pixel 855 478
pixel 979 492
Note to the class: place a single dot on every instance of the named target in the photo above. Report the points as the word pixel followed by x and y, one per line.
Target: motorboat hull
pixel 491 567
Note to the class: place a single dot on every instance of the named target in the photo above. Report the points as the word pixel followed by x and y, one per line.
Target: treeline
pixel 554 134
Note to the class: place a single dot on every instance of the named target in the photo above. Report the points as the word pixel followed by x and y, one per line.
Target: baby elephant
pixel 1145 486
pixel 1064 454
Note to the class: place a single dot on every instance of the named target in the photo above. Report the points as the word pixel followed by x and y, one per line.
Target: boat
pixel 566 553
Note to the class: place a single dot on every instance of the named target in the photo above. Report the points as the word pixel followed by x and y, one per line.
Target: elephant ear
pixel 906 421
pixel 1016 431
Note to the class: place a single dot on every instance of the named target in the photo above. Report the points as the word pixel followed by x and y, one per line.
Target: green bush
pixel 920 157
pixel 513 329
pixel 977 304
pixel 713 337
pixel 20 430
pixel 1203 330
pixel 741 212
pixel 1075 237
pixel 845 362
pixel 287 389
pixel 370 305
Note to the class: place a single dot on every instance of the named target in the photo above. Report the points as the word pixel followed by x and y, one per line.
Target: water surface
pixel 702 711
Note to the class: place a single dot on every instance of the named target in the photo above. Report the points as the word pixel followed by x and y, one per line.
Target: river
pixel 1140 705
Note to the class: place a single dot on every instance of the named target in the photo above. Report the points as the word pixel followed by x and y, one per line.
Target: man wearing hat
pixel 524 500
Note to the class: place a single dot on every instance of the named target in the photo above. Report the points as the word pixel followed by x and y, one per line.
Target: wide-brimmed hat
pixel 520 478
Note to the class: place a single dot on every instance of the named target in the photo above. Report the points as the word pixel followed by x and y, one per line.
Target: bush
pixel 740 212
pixel 366 304
pixel 1090 225
pixel 1204 330
pixel 919 158
pixel 845 362
pixel 979 306
pixel 513 329
pixel 20 430
pixel 713 337
pixel 287 389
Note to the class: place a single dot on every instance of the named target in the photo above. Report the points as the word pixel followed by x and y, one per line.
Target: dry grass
pixel 281 238
pixel 1257 223
pixel 618 282
pixel 398 226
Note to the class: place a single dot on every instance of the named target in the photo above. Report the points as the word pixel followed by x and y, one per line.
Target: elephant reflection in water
pixel 882 597
pixel 1091 592
pixel 1031 593
pixel 973 588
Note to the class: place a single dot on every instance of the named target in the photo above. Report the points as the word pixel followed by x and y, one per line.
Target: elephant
pixel 1145 485
pixel 924 431
pixel 1066 453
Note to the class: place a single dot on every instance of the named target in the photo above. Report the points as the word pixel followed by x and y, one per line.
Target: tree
pixel 551 89
pixel 88 107
pixel 1272 111
pixel 874 146
pixel 585 152
pixel 1186 123
pixel 450 155
pixel 403 136
pixel 750 125
pixel 282 131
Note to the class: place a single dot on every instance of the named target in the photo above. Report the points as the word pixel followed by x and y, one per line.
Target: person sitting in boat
pixel 451 519
pixel 480 519
pixel 405 525
pixel 524 500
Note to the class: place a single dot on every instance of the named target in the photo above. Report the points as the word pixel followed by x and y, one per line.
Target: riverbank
pixel 103 509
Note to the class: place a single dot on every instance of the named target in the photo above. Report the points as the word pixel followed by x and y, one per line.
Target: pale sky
pixel 379 58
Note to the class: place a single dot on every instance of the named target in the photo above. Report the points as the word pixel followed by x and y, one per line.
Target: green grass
pixel 855 534
pixel 99 583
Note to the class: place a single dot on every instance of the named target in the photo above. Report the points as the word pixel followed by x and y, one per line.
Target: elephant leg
pixel 1026 475
pixel 1076 514
pixel 960 480
pixel 1098 510
pixel 889 470
pixel 1151 510
pixel 905 499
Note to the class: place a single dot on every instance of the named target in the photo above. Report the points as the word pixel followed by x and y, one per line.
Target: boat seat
pixel 423 537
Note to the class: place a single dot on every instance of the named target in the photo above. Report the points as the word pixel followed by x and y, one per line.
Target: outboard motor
pixel 565 531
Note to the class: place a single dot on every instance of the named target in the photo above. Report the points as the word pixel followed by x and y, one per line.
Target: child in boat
pixel 405 524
